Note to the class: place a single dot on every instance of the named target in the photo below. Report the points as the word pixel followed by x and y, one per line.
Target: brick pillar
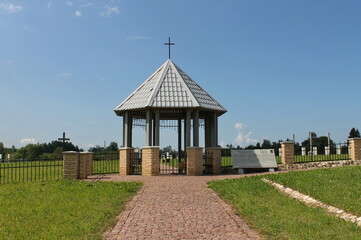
pixel 194 161
pixel 150 161
pixel 355 145
pixel 71 165
pixel 85 165
pixel 125 154
pixel 288 152
pixel 216 159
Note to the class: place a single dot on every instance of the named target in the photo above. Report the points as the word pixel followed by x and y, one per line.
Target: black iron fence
pixel 173 163
pixel 207 162
pixel 14 171
pixel 336 151
pixel 105 162
pixel 135 163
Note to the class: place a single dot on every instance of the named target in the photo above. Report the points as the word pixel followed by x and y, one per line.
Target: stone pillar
pixel 85 165
pixel 125 154
pixel 150 161
pixel 355 151
pixel 216 159
pixel 288 152
pixel 71 165
pixel 194 161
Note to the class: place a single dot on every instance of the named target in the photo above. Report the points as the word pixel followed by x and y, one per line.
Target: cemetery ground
pixel 61 209
pixel 278 216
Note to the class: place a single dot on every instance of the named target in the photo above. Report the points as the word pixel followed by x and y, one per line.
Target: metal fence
pixel 15 171
pixel 336 151
pixel 105 162
pixel 172 164
pixel 136 163
pixel 207 162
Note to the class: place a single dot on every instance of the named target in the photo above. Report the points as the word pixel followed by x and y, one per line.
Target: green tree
pixel 113 146
pixel 354 133
pixel 1 148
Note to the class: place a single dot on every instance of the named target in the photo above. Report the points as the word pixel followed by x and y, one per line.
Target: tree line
pixel 51 150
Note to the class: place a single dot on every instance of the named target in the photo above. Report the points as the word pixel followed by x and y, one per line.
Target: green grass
pixel 106 166
pixel 277 216
pixel 340 187
pixel 61 209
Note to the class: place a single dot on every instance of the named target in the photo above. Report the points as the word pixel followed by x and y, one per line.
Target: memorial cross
pixel 169 44
pixel 63 139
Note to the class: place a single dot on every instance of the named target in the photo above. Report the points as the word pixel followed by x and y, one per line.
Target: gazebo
pixel 169 97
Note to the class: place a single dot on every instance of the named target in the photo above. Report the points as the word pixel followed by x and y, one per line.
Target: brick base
pixel 150 161
pixel 288 153
pixel 355 145
pixel 124 160
pixel 216 159
pixel 194 161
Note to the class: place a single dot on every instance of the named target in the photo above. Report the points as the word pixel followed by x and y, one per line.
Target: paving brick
pixel 177 207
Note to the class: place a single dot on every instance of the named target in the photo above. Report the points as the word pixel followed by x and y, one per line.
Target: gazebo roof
pixel 169 88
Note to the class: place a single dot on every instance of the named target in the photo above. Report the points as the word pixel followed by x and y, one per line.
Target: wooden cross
pixel 169 44
pixel 63 139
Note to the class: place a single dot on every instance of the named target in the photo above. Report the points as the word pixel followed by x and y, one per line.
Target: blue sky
pixel 279 67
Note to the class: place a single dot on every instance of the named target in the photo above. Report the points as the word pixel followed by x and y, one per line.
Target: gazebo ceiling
pixel 169 89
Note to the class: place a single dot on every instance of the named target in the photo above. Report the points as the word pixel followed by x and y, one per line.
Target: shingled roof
pixel 169 88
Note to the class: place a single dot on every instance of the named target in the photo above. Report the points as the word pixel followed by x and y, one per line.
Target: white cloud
pixel 138 37
pixel 239 126
pixel 110 11
pixel 243 137
pixel 27 140
pixel 26 28
pixel 69 3
pixel 89 145
pixel 89 4
pixel 10 8
pixel 78 13
pixel 65 74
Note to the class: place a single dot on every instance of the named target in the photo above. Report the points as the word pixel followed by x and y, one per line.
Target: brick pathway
pixel 177 207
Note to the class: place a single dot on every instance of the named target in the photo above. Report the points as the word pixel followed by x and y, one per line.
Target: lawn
pixel 61 209
pixel 276 216
pixel 339 187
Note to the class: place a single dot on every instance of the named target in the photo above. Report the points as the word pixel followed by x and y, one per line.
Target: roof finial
pixel 169 44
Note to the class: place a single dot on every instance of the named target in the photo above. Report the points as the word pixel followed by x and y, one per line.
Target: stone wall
pixel 323 164
pixel 355 151
pixel 288 152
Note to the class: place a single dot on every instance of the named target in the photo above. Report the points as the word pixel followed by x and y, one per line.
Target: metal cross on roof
pixel 169 44
pixel 63 139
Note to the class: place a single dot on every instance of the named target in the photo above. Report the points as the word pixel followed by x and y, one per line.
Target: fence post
pixel 355 151
pixel 125 155
pixel 216 159
pixel 85 165
pixel 288 152
pixel 194 161
pixel 71 165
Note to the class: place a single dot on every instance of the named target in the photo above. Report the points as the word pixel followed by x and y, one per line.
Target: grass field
pixel 340 187
pixel 277 216
pixel 61 209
